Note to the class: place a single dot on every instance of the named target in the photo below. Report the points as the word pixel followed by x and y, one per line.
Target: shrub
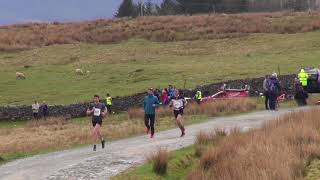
pixel 160 161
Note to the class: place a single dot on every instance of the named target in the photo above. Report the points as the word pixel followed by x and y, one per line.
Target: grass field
pixel 134 65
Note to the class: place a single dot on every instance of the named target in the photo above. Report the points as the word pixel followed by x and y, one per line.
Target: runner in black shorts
pixel 178 103
pixel 98 111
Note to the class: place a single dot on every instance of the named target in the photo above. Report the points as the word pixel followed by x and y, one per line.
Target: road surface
pixel 83 163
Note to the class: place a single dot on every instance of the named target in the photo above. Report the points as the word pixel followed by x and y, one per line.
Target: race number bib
pixel 97 112
pixel 177 104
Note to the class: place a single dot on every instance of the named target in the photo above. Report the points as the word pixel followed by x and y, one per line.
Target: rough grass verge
pixel 160 161
pixel 279 150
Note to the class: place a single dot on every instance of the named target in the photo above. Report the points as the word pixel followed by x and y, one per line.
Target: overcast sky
pixel 14 11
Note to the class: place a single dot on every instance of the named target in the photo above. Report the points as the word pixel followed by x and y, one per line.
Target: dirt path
pixel 83 163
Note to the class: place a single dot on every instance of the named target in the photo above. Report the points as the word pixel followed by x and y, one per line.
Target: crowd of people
pixel 272 90
pixel 171 97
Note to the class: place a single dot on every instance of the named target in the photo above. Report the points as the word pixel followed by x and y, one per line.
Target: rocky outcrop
pixel 126 102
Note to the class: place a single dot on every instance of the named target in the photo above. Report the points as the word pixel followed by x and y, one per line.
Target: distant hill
pixel 159 28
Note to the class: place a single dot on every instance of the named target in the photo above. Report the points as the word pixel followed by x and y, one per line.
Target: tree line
pixel 129 8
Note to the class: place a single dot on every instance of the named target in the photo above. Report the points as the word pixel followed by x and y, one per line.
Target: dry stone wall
pixel 126 102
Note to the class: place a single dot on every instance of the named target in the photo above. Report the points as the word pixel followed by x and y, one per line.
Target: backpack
pixel 271 86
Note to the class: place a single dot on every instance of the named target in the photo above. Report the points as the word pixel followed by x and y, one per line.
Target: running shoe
pixel 151 136
pixel 103 143
pixel 94 147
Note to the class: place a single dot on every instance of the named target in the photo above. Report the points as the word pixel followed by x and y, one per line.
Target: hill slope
pixel 133 66
pixel 162 28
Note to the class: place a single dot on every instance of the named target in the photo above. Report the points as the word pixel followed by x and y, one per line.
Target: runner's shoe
pixel 152 136
pixel 182 134
pixel 94 147
pixel 103 143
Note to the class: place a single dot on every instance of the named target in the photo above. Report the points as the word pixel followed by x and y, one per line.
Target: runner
pixel 149 104
pixel 98 111
pixel 178 103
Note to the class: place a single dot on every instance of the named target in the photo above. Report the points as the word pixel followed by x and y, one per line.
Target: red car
pixel 228 93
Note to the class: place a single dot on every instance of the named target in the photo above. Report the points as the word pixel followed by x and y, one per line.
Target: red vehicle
pixel 228 93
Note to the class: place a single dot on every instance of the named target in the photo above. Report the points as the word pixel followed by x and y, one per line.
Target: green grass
pixel 180 164
pixel 133 66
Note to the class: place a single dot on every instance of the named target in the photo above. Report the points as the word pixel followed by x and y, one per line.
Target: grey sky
pixel 13 11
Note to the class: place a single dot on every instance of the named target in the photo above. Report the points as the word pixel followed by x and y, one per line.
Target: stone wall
pixel 126 102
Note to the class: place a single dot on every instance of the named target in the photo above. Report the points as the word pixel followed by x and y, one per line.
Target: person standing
pixel 273 90
pixel 98 111
pixel 266 93
pixel 45 110
pixel 109 103
pixel 171 91
pixel 178 103
pixel 156 93
pixel 303 78
pixel 164 98
pixel 150 103
pixel 301 97
pixel 35 109
pixel 198 96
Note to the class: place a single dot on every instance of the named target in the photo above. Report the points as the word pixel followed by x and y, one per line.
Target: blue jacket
pixel 149 104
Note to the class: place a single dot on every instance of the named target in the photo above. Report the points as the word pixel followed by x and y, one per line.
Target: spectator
pixel 172 92
pixel 156 93
pixel 109 103
pixel 35 109
pixel 164 98
pixel 266 93
pixel 297 84
pixel 198 96
pixel 273 90
pixel 45 110
pixel 301 97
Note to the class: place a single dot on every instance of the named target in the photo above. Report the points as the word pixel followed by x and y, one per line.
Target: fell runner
pixel 98 111
pixel 178 103
pixel 150 103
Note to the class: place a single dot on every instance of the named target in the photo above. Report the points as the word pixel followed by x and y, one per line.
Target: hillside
pixel 133 65
pixel 162 28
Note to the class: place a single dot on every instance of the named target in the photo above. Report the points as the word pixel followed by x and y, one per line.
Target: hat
pixel 274 75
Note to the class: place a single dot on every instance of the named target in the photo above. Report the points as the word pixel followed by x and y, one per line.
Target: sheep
pixel 79 72
pixel 20 75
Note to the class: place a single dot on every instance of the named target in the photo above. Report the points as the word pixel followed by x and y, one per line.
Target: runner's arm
pixel 104 113
pixel 185 102
pixel 90 110
pixel 156 103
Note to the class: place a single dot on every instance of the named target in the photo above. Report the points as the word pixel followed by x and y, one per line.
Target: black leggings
pixel 266 100
pixel 149 122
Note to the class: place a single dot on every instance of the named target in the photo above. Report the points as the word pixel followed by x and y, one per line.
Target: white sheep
pixel 20 75
pixel 79 72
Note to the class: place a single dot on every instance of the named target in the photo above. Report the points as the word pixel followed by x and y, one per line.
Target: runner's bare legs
pixel 96 132
pixel 179 122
